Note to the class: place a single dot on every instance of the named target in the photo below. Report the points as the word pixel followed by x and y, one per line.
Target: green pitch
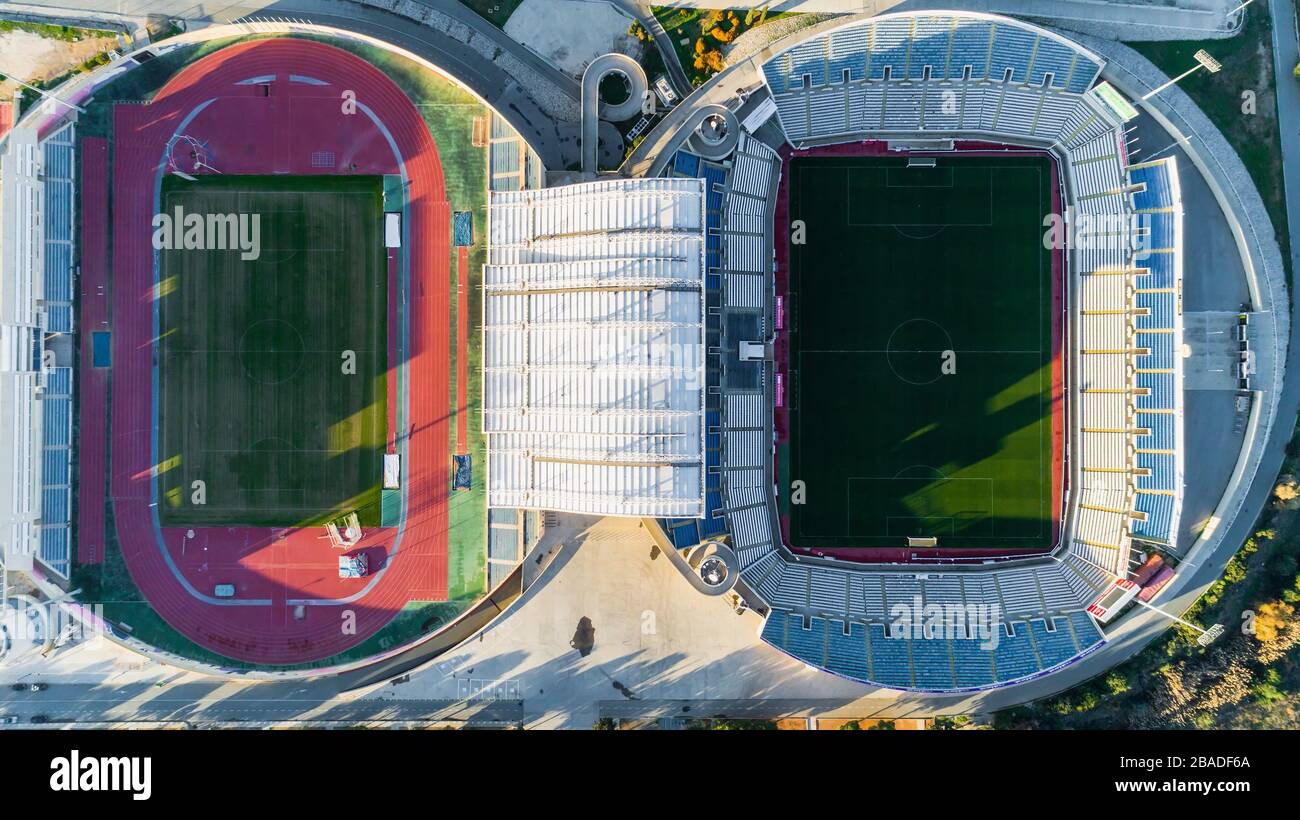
pixel 921 352
pixel 272 372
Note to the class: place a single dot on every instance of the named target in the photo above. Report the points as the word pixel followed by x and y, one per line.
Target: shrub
pixel 1117 683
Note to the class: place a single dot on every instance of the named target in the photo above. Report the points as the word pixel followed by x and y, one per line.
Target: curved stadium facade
pixel 935 85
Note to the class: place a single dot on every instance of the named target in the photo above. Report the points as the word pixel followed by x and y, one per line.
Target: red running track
pixel 290 606
pixel 93 439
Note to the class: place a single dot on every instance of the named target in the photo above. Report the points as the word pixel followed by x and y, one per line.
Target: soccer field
pixel 921 351
pixel 271 372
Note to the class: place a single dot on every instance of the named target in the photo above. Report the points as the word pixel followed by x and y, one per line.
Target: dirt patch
pixel 35 58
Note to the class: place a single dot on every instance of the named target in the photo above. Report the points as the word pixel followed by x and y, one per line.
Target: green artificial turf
pixel 257 399
pixel 898 266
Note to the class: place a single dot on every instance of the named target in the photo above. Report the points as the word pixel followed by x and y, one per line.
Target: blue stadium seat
pixel 1161 346
pixel 1161 230
pixel 1161 267
pixel 847 654
pixel 1161 386
pixel 974 665
pixel 933 663
pixel 848 52
pixel 891 47
pixel 1054 648
pixel 806 644
pixel 57 421
pixel 1012 47
pixel 1085 630
pixel 1052 58
pixel 1159 510
pixel 1162 471
pixel 686 164
pixel 56 548
pixel 1162 426
pixel 808 59
pixel 890 658
pixel 1014 654
pixel 930 47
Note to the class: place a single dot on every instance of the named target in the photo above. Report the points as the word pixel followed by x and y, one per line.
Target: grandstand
pixel 943 80
pixel 593 367
pixel 1023 649
pixel 738 293
pixel 36 294
pixel 1156 292
pixel 909 73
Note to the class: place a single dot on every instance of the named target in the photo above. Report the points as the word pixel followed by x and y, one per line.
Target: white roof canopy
pixel 593 362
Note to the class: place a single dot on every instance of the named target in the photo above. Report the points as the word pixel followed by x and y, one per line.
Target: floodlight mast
pixel 1207 636
pixel 1203 60
pixel 1238 8
pixel 44 94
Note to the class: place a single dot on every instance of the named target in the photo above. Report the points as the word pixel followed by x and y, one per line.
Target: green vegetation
pixel 1247 120
pixel 69 34
pixel 652 62
pixel 496 12
pixel 699 35
pixel 273 371
pixel 921 352
pixel 731 724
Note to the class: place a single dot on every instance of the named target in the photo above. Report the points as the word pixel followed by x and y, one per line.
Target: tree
pixel 1272 621
pixel 708 60
pixel 726 35
pixel 1117 683
pixel 1277 629
pixel 949 723
pixel 709 20
pixel 1267 691
pixel 1287 492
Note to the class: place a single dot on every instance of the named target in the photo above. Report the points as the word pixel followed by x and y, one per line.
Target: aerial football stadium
pixel 883 331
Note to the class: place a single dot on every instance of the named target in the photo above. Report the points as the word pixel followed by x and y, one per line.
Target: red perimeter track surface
pixel 93 442
pixel 876 148
pixel 277 571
